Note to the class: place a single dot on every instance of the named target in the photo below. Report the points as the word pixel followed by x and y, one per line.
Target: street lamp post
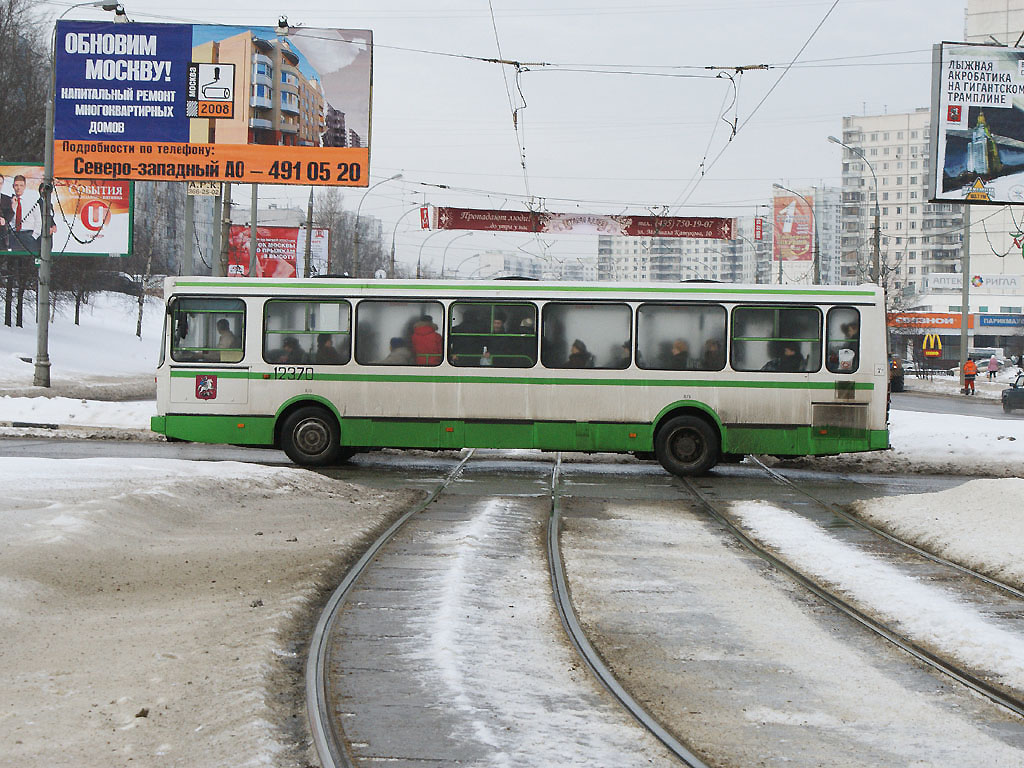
pixel 394 232
pixel 355 234
pixel 444 255
pixel 41 374
pixel 876 268
pixel 419 259
pixel 815 261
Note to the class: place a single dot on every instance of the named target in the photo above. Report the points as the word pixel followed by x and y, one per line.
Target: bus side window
pixel 681 337
pixel 843 334
pixel 500 334
pixel 301 331
pixel 776 339
pixel 398 332
pixel 586 335
pixel 208 330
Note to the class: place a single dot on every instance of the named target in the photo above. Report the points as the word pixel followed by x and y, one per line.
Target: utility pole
pixel 252 230
pixel 187 263
pixel 309 234
pixel 965 289
pixel 220 264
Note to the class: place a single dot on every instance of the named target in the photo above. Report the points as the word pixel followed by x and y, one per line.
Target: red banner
pixel 711 228
pixel 794 229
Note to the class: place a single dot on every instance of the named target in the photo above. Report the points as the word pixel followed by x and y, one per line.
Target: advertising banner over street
pixel 710 228
pixel 280 251
pixel 793 228
pixel 191 102
pixel 977 145
pixel 91 218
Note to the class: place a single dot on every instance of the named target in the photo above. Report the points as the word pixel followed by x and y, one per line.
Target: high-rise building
pixel 916 238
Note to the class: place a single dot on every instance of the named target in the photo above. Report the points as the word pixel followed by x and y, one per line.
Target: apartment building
pixel 887 166
pixel 285 107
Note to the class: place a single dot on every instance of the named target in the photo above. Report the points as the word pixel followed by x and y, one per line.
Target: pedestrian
pixel 970 371
pixel 993 366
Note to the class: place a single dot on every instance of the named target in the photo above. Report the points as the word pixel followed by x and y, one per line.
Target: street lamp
pixel 444 255
pixel 875 261
pixel 395 232
pixel 815 263
pixel 419 258
pixel 41 375
pixel 355 241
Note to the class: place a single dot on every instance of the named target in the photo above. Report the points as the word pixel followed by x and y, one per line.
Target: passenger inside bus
pixel 229 349
pixel 427 344
pixel 714 356
pixel 787 359
pixel 290 353
pixel 678 357
pixel 579 356
pixel 326 354
pixel 400 353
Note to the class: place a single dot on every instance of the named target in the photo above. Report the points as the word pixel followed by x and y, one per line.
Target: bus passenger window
pixel 487 333
pixel 399 332
pixel 681 337
pixel 303 331
pixel 776 339
pixel 843 346
pixel 586 336
pixel 208 330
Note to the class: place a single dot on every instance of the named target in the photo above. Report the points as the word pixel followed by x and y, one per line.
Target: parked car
pixel 1013 395
pixel 895 373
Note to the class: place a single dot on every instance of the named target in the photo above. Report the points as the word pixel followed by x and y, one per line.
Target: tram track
pixel 331 742
pixel 866 526
pixel 1010 699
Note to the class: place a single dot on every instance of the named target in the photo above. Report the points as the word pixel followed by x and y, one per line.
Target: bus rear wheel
pixel 686 446
pixel 311 438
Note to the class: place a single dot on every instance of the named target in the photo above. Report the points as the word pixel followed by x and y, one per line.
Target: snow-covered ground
pixel 147 604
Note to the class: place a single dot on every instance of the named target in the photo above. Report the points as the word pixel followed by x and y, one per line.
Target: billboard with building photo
pixel 193 102
pixel 793 228
pixel 977 137
pixel 91 217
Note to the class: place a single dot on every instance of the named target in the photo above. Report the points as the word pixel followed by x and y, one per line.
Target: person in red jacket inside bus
pixel 970 371
pixel 427 343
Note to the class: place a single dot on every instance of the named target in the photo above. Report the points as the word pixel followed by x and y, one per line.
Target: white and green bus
pixel 689 373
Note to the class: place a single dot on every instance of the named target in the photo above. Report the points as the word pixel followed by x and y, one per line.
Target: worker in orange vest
pixel 970 371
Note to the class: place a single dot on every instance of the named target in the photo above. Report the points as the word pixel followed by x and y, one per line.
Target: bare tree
pixel 23 93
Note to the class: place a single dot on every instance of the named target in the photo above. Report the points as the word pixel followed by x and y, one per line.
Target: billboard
pixel 977 137
pixel 280 251
pixel 194 102
pixel 708 227
pixel 793 226
pixel 91 218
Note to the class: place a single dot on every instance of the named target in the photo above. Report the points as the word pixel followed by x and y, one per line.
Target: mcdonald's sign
pixel 932 345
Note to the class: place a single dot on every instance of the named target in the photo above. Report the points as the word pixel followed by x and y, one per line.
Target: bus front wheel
pixel 686 446
pixel 311 438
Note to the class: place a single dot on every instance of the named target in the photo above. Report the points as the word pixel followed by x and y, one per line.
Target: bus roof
pixel 242 286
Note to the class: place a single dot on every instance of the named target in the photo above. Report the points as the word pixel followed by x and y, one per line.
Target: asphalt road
pixel 957 404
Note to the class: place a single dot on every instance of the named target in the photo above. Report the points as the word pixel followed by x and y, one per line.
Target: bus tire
pixel 311 438
pixel 686 446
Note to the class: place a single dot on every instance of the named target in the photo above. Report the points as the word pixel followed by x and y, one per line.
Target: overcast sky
pixel 620 112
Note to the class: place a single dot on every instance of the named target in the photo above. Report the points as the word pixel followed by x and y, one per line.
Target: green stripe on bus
pixel 544 381
pixel 544 435
pixel 520 288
